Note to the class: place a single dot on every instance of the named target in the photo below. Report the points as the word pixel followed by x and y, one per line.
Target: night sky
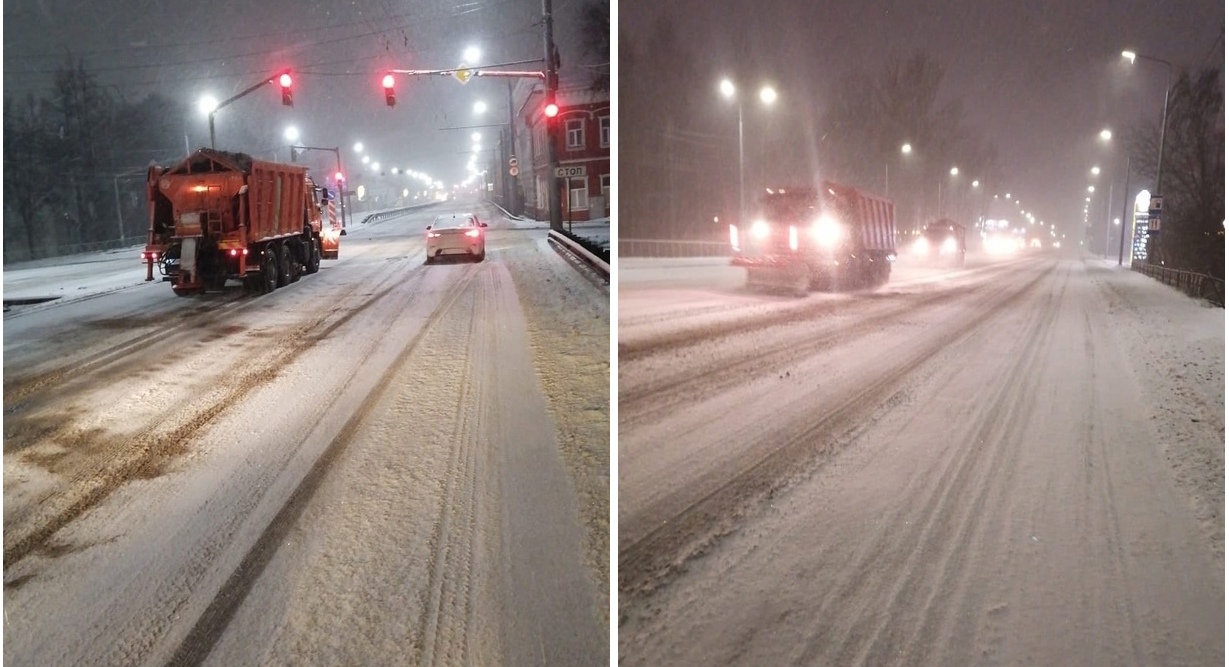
pixel 1039 79
pixel 339 50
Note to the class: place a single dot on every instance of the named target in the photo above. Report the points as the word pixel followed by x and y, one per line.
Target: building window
pixel 603 125
pixel 606 187
pixel 576 134
pixel 578 194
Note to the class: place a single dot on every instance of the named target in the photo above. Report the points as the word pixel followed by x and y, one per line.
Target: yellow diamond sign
pixel 464 75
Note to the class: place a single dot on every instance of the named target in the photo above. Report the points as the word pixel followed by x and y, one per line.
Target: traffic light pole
pixel 552 86
pixel 264 82
pixel 341 189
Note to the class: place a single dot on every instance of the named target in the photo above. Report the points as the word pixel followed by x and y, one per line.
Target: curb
pixel 576 249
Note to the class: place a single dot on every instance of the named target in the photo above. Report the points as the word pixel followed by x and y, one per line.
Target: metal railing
pixel 1198 285
pixel 669 248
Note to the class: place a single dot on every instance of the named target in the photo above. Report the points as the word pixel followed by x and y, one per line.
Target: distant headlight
pixel 921 246
pixel 760 229
pixel 949 246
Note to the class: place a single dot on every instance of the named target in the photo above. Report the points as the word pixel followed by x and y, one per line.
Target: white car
pixel 456 234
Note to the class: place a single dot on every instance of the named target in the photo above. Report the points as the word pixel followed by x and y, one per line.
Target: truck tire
pixel 296 267
pixel 283 265
pixel 313 258
pixel 267 282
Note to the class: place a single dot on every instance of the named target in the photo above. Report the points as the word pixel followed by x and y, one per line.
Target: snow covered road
pixel 379 464
pixel 1020 462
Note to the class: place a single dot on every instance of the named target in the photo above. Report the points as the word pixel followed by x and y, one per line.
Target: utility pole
pixel 552 86
pixel 514 195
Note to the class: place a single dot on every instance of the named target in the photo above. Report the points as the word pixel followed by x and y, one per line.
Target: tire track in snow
pixel 195 647
pixel 139 454
pixel 451 590
pixel 689 336
pixel 647 402
pixel 953 514
pixel 669 540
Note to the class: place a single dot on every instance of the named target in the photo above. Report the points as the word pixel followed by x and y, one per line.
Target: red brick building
pixel 582 142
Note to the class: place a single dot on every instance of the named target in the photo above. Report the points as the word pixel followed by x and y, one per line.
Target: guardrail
pixel 382 215
pixel 671 248
pixel 593 260
pixel 1198 285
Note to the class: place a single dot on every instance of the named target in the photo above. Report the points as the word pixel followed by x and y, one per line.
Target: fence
pixel 667 248
pixel 1198 285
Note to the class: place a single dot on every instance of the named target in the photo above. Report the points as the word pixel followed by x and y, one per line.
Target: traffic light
pixel 390 95
pixel 340 177
pixel 551 109
pixel 287 94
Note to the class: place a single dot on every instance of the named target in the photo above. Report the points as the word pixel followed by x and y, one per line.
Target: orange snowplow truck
pixel 218 216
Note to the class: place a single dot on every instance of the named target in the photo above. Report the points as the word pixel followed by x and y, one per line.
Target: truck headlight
pixel 827 231
pixel 921 246
pixel 760 229
pixel 949 246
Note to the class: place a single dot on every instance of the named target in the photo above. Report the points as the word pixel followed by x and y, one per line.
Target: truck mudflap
pixel 330 243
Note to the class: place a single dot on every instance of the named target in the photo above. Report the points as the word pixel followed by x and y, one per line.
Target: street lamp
pixel 1106 135
pixel 480 107
pixel 1096 171
pixel 767 96
pixel 207 104
pixel 906 149
pixel 1160 155
pixel 358 147
pixel 291 134
pixel 471 55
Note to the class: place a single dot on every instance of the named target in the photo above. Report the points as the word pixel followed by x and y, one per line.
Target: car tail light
pixel 473 232
pixel 233 252
pixel 150 256
pixel 432 235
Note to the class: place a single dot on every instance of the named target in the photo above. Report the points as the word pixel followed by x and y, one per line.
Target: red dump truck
pixel 217 216
pixel 831 237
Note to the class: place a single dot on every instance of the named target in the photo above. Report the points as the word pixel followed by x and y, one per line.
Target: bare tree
pixel 1193 182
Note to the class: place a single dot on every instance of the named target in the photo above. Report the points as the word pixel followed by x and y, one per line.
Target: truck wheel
pixel 283 266
pixel 268 272
pixel 313 257
pixel 296 267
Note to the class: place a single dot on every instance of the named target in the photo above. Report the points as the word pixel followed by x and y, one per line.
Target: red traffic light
pixel 340 177
pixel 551 110
pixel 390 95
pixel 287 94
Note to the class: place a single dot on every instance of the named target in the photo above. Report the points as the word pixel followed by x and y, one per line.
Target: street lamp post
pixel 767 95
pixel 1126 198
pixel 1169 72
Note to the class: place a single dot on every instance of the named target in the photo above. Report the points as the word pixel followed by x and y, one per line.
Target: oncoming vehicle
pixel 941 243
pixel 456 234
pixel 833 237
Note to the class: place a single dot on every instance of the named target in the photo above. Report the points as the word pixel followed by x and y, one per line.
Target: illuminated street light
pixel 291 134
pixel 375 166
pixel 477 136
pixel 1092 188
pixel 730 92
pixel 1096 171
pixel 207 104
pixel 366 159
pixel 1106 135
pixel 471 55
pixel 976 183
pixel 479 107
pixel 954 171
pixel 906 149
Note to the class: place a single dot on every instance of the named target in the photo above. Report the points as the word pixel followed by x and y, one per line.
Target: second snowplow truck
pixel 218 216
pixel 832 237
